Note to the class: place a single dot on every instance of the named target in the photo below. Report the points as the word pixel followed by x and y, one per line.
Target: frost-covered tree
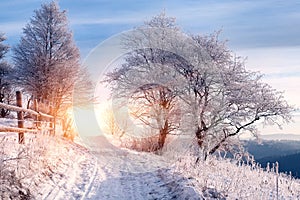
pixel 225 99
pixel 146 77
pixel 6 95
pixel 219 97
pixel 47 60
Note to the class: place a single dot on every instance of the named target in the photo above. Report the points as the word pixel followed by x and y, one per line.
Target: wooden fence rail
pixel 20 111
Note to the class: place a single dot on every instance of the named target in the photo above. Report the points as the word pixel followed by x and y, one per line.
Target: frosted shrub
pixel 237 180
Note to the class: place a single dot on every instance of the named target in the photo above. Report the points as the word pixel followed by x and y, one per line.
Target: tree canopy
pixel 47 60
pixel 219 98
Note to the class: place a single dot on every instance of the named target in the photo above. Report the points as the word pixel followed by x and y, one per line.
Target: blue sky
pixel 266 31
pixel 247 24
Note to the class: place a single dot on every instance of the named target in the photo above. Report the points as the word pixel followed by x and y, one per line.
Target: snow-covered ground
pixel 44 168
pixel 125 174
pixel 53 168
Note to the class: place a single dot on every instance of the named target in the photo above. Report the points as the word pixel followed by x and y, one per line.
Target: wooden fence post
pixel 52 121
pixel 20 117
pixel 36 108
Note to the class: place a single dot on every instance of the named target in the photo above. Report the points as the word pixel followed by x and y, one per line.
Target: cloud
pixel 12 28
pixel 273 60
pixel 289 85
pixel 211 10
pixel 281 67
pixel 245 23
pixel 99 21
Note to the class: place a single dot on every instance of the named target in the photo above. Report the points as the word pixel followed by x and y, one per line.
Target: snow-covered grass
pixel 44 168
pixel 230 179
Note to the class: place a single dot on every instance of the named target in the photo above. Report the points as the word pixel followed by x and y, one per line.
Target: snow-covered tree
pixel 47 60
pixel 6 95
pixel 219 97
pixel 145 79
pixel 227 99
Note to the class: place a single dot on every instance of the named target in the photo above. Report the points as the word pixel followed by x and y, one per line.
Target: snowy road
pixel 123 174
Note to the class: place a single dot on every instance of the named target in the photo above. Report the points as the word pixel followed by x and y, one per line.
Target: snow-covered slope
pixel 52 168
pixel 44 168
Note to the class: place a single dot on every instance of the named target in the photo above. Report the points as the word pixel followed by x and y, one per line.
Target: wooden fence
pixel 20 114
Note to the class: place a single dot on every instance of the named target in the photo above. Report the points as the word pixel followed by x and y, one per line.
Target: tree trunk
pixel 161 139
pixel 162 136
pixel 200 136
pixel 3 112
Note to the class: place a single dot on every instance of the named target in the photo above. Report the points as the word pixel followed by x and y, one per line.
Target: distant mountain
pixel 286 163
pixel 286 152
pixel 269 148
pixel 281 137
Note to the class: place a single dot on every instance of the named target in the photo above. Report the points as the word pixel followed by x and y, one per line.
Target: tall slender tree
pixel 46 59
pixel 5 72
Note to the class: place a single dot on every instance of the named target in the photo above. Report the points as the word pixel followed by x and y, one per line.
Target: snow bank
pixel 44 168
pixel 216 178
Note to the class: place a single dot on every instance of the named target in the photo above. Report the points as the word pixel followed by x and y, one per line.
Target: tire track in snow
pixel 91 182
pixel 76 179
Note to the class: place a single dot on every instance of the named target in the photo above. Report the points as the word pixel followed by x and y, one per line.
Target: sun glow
pixel 103 113
pixel 85 121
